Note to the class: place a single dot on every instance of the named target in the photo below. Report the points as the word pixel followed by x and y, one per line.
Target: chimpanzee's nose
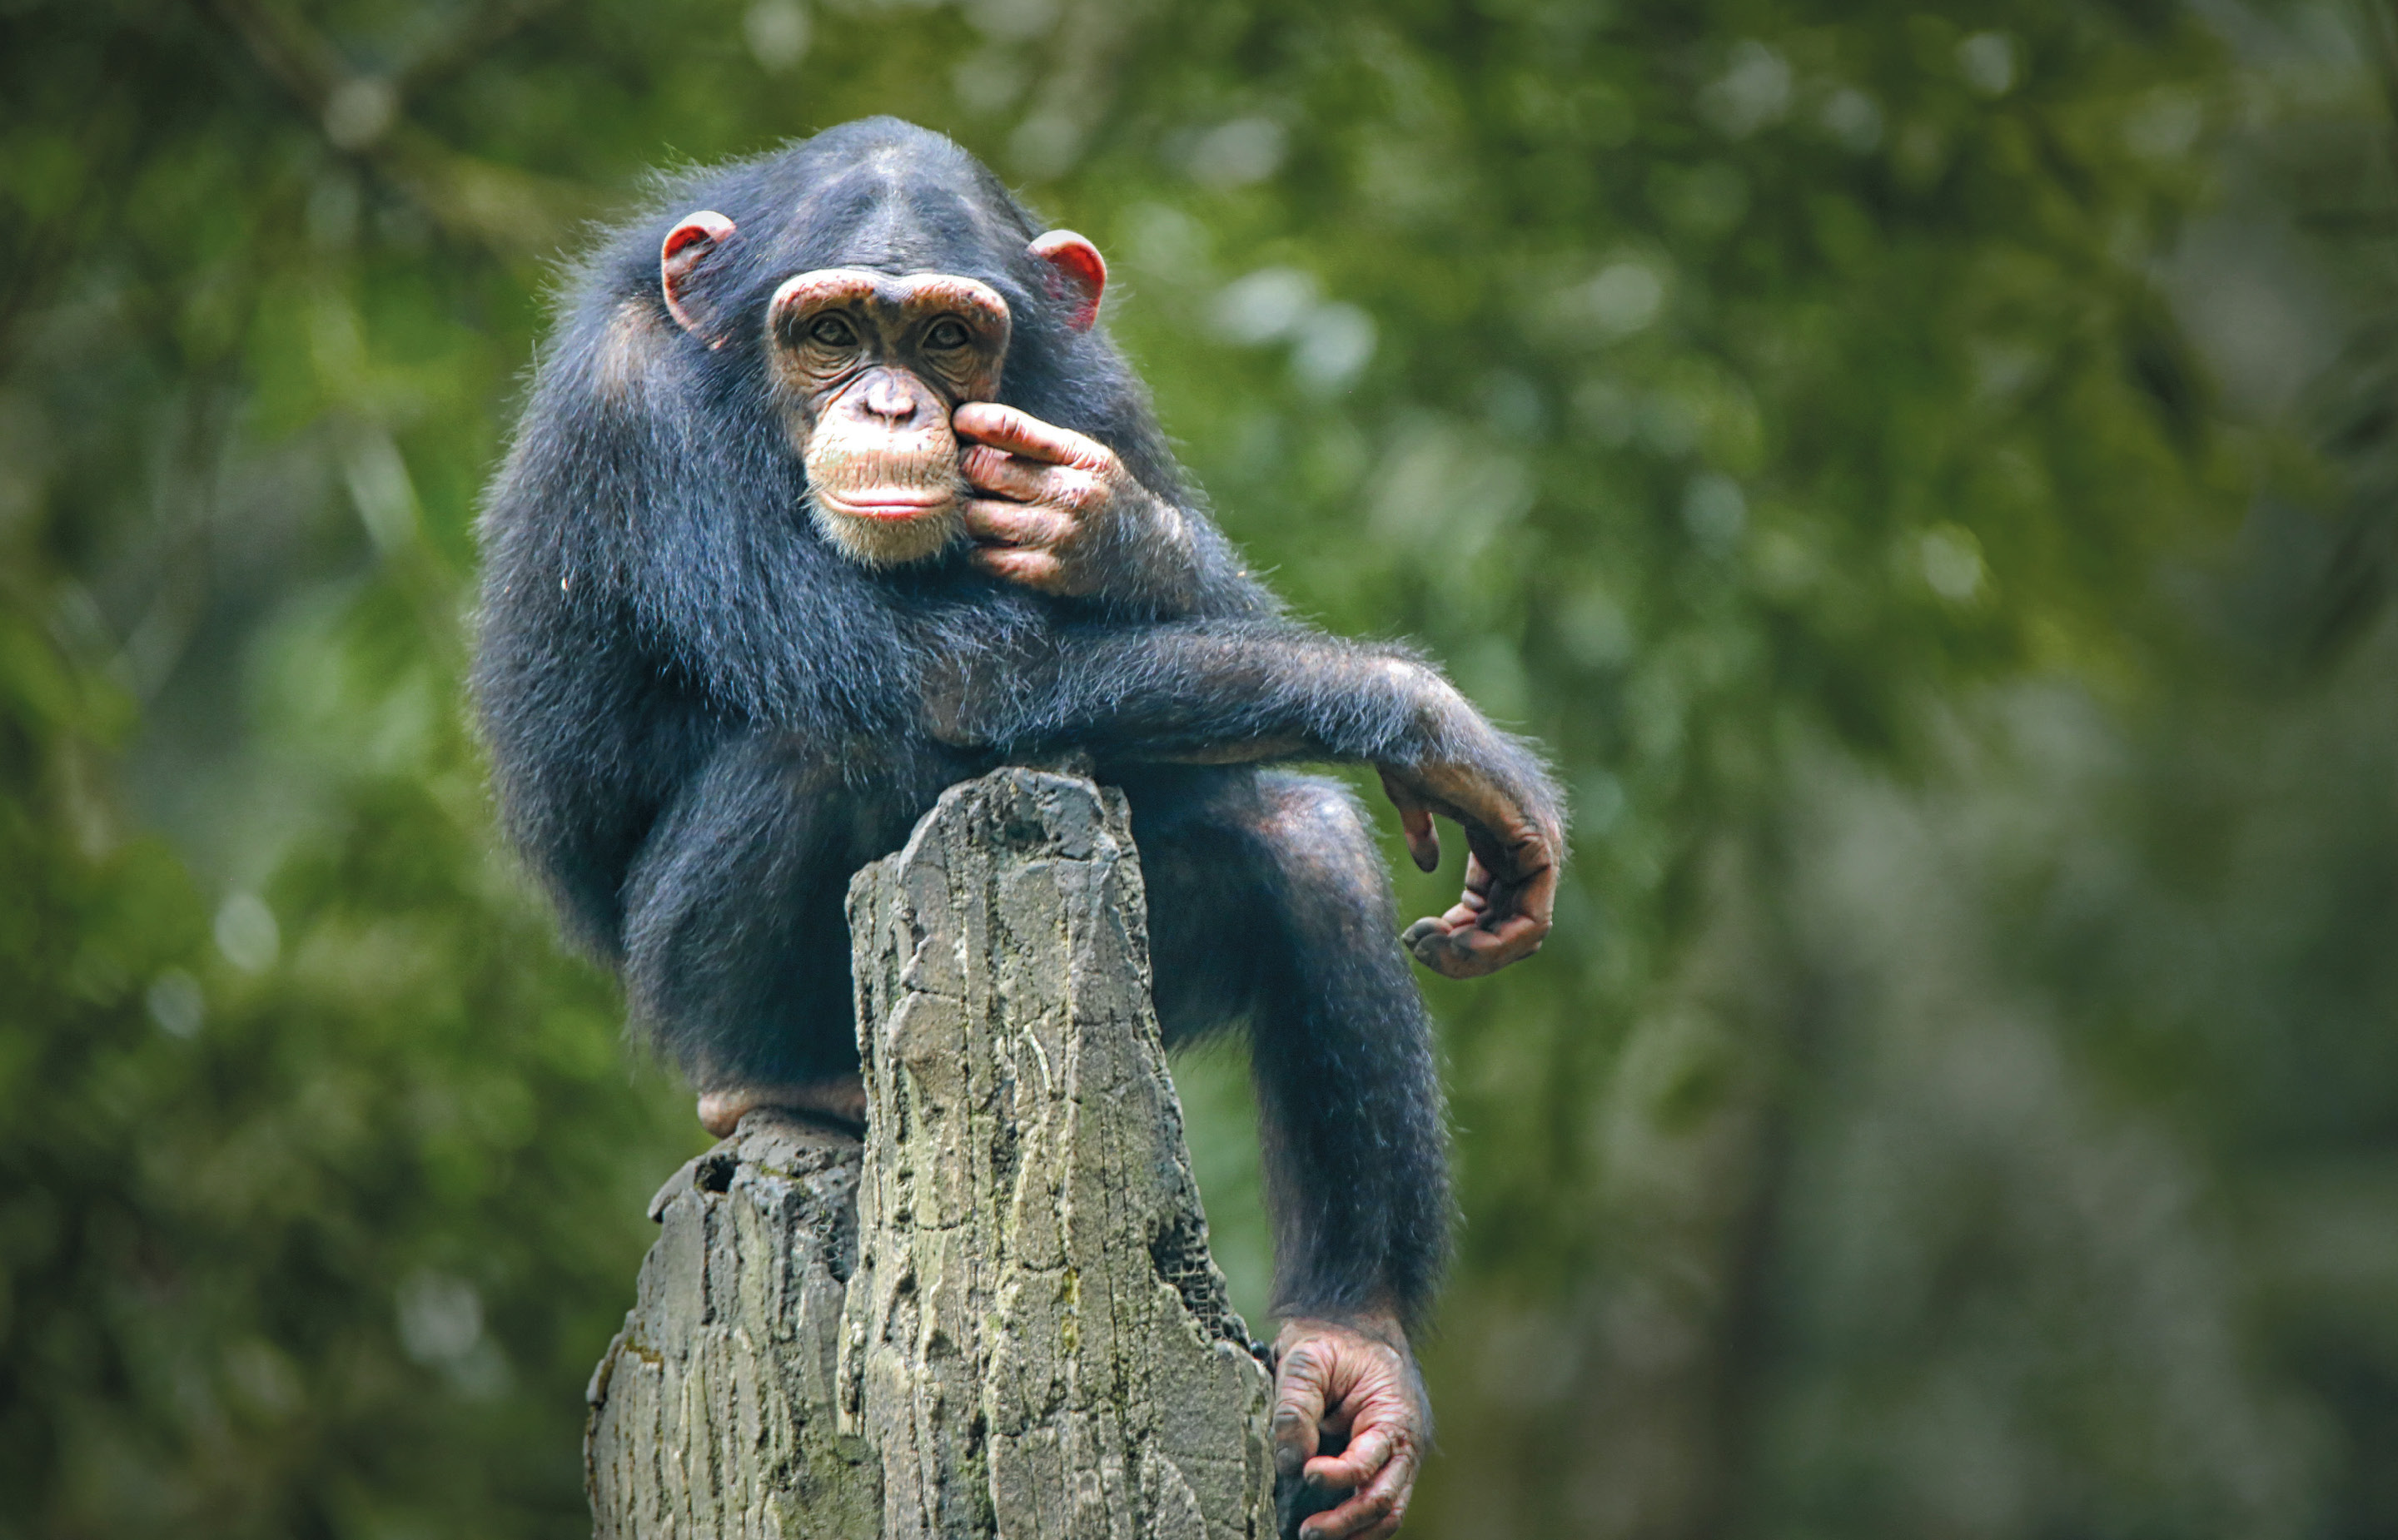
pixel 887 396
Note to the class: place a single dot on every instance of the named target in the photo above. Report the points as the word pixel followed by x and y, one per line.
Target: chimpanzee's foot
pixel 841 1097
pixel 1356 1381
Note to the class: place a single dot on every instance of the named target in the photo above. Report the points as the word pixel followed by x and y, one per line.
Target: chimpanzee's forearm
pixel 1241 691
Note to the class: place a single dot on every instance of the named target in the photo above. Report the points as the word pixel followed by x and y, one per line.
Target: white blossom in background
pixel 1987 59
pixel 1012 20
pixel 777 32
pixel 441 1317
pixel 1852 119
pixel 1047 144
pixel 1951 560
pixel 1753 92
pixel 246 934
pixel 1264 306
pixel 1715 510
pixel 177 1004
pixel 1627 296
pixel 1234 154
pixel 361 111
pixel 1334 345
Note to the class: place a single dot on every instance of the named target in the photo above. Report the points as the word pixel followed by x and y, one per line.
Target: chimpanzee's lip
pixel 897 504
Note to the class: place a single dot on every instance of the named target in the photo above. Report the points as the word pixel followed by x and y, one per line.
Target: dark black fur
pixel 704 720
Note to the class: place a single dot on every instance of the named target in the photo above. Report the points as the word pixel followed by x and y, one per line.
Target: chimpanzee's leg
pixel 736 946
pixel 1268 901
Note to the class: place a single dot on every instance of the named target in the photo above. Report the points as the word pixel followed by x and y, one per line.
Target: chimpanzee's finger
pixel 1519 861
pixel 1034 569
pixel 1415 818
pixel 1301 1391
pixel 1456 917
pixel 1427 938
pixel 1518 878
pixel 1497 920
pixel 1021 433
pixel 1379 1507
pixel 1483 946
pixel 1468 910
pixel 1375 1509
pixel 1475 939
pixel 1445 953
pixel 1068 488
pixel 1478 882
pixel 1363 1512
pixel 1016 523
pixel 1476 950
pixel 1367 1453
pixel 989 470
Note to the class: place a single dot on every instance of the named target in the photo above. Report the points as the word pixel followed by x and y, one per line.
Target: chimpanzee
pixel 831 493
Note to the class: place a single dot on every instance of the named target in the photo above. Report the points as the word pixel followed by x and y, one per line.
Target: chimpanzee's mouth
pixel 891 504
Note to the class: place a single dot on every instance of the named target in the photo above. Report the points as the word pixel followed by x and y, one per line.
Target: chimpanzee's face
pixel 870 367
pixel 867 367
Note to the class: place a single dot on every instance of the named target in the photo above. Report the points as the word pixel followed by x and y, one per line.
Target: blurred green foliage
pixel 1925 469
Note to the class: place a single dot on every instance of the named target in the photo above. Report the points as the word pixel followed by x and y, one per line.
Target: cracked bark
pixel 997 1317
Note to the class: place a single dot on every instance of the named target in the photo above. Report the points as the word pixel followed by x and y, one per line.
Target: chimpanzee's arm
pixel 588 740
pixel 1236 692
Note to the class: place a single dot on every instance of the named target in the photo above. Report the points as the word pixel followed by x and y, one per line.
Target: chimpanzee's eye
pixel 947 333
pixel 831 331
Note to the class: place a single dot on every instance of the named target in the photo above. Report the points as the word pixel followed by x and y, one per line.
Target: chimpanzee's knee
pixel 1252 877
pixel 1321 852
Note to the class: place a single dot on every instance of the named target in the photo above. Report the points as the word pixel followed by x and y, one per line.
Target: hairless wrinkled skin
pixel 831 493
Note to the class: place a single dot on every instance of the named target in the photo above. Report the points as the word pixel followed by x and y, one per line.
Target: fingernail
pixel 1287 1461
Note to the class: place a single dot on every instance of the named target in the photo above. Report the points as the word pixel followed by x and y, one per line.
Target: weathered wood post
pixel 999 1316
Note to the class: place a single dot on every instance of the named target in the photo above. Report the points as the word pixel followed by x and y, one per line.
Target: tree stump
pixel 713 1412
pixel 1017 1329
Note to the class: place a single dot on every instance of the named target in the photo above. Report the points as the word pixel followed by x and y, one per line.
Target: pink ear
pixel 1077 273
pixel 688 245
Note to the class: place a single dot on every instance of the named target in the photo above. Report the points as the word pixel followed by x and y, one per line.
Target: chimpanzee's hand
pixel 1060 513
pixel 1359 1381
pixel 1511 878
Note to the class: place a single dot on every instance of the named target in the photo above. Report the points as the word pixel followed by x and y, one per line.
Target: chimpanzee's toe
pixel 841 1098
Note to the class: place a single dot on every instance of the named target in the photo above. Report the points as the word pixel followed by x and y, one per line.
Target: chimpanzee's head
pixel 871 277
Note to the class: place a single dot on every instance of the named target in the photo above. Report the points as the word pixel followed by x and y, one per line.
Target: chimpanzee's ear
pixel 689 245
pixel 1077 273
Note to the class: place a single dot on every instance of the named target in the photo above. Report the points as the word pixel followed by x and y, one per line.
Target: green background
pixel 1926 470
